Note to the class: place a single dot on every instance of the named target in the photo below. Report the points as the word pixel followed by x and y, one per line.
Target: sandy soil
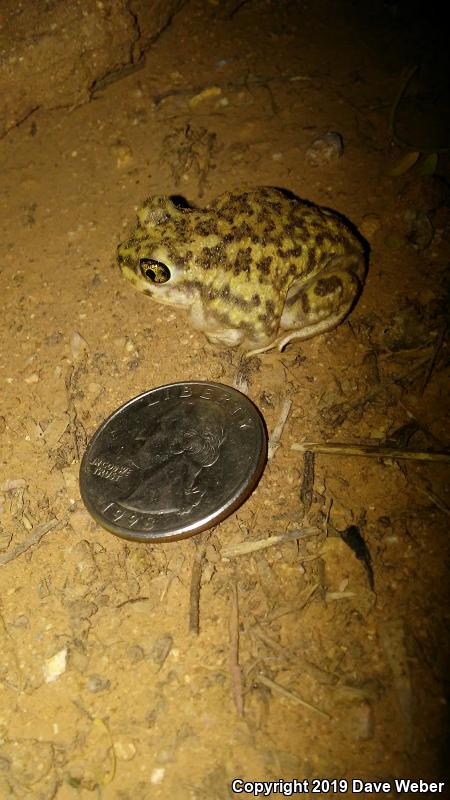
pixel 105 692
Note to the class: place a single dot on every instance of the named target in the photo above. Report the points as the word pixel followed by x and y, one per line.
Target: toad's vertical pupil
pixel 154 271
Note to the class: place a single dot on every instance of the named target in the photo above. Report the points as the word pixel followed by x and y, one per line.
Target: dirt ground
pixel 105 690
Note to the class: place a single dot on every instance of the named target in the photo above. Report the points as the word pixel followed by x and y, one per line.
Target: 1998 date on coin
pixel 173 461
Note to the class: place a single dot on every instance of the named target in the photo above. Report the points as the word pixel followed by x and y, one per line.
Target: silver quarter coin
pixel 173 461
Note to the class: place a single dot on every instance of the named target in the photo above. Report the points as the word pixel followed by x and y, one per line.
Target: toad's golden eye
pixel 154 271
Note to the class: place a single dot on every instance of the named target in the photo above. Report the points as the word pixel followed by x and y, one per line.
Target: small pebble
pixel 12 485
pixel 126 751
pixel 123 154
pixel 421 230
pixel 78 345
pixel 157 775
pixel 325 149
pixel 55 666
pixel 135 653
pixel 161 649
pixel 22 621
pixel 370 224
pixel 96 684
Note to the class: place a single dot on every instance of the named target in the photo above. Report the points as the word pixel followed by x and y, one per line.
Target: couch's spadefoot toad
pixel 255 268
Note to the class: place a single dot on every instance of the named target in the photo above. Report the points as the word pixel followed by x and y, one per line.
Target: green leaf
pixel 404 164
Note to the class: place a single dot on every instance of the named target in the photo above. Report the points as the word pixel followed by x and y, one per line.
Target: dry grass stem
pixel 319 674
pixel 35 537
pixel 196 578
pixel 235 669
pixel 275 687
pixel 244 548
pixel 372 451
pixel 435 499
pixel 274 438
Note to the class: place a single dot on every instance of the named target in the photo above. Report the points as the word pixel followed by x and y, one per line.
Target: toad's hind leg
pixel 321 303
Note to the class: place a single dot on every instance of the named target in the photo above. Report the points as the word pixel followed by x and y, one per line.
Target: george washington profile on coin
pixel 169 452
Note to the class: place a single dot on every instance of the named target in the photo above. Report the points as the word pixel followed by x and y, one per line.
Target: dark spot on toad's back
pixel 264 264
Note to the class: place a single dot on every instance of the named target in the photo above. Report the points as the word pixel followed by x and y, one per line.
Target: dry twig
pixel 196 578
pixel 307 487
pixel 235 669
pixel 244 548
pixel 36 535
pixel 320 675
pixel 241 83
pixel 372 451
pixel 436 350
pixel 305 598
pixel 435 499
pixel 275 687
pixel 274 438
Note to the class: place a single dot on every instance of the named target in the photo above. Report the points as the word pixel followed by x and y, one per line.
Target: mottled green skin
pixel 250 267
